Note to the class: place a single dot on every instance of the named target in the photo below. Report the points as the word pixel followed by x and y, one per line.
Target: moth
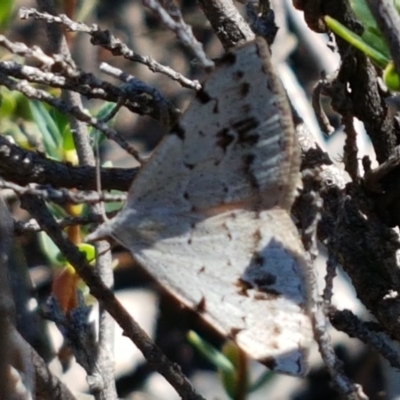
pixel 208 216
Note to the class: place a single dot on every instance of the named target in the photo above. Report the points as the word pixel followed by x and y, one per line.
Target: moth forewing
pixel 208 215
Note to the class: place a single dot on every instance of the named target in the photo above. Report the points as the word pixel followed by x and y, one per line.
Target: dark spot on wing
pixel 201 306
pixel 233 333
pixel 216 107
pixel 179 131
pixel 262 282
pixel 224 138
pixel 269 362
pixel 277 330
pixel 244 126
pixel 203 96
pixel 238 75
pixel 228 58
pixel 244 89
pixel 242 287
pixel 265 281
pixel 257 236
pixel 189 166
pixel 258 260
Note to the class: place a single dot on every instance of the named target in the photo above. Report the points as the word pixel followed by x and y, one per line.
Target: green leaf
pixel 211 353
pixel 371 34
pixel 103 112
pixel 391 78
pixel 5 13
pixel 51 251
pixel 51 135
pixel 355 40
pixel 227 364
pixel 262 380
pixel 8 103
pixel 237 384
pixel 89 251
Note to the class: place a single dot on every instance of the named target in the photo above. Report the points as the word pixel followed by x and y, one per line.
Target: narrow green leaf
pixel 355 40
pixel 371 34
pixel 210 353
pixel 103 112
pixel 262 380
pixel 51 251
pixel 52 137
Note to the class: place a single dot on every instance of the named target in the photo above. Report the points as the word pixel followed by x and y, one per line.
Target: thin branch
pixel 171 17
pixel 24 167
pixel 106 40
pixel 31 226
pixel 131 329
pixel 312 212
pixel 47 385
pixel 100 373
pixel 350 149
pixel 63 196
pixel 347 322
pixel 227 23
pixel 136 99
pixel 323 120
pixel 75 111
pixel 329 277
pixel 134 87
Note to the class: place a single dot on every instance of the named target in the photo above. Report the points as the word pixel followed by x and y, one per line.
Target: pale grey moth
pixel 209 214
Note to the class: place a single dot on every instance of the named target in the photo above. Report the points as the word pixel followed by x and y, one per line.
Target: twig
pixel 334 366
pixel 131 329
pixel 32 226
pixel 47 385
pixel 21 49
pixel 100 374
pixel 64 107
pixel 350 149
pixel 171 17
pixel 24 167
pixel 136 99
pixel 322 119
pixel 63 196
pixel 227 23
pixel 134 86
pixel 106 40
pixel 347 322
pixel 329 277
pixel 10 373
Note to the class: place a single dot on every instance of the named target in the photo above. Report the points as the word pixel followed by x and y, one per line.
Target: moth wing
pixel 243 279
pixel 234 144
pixel 242 269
